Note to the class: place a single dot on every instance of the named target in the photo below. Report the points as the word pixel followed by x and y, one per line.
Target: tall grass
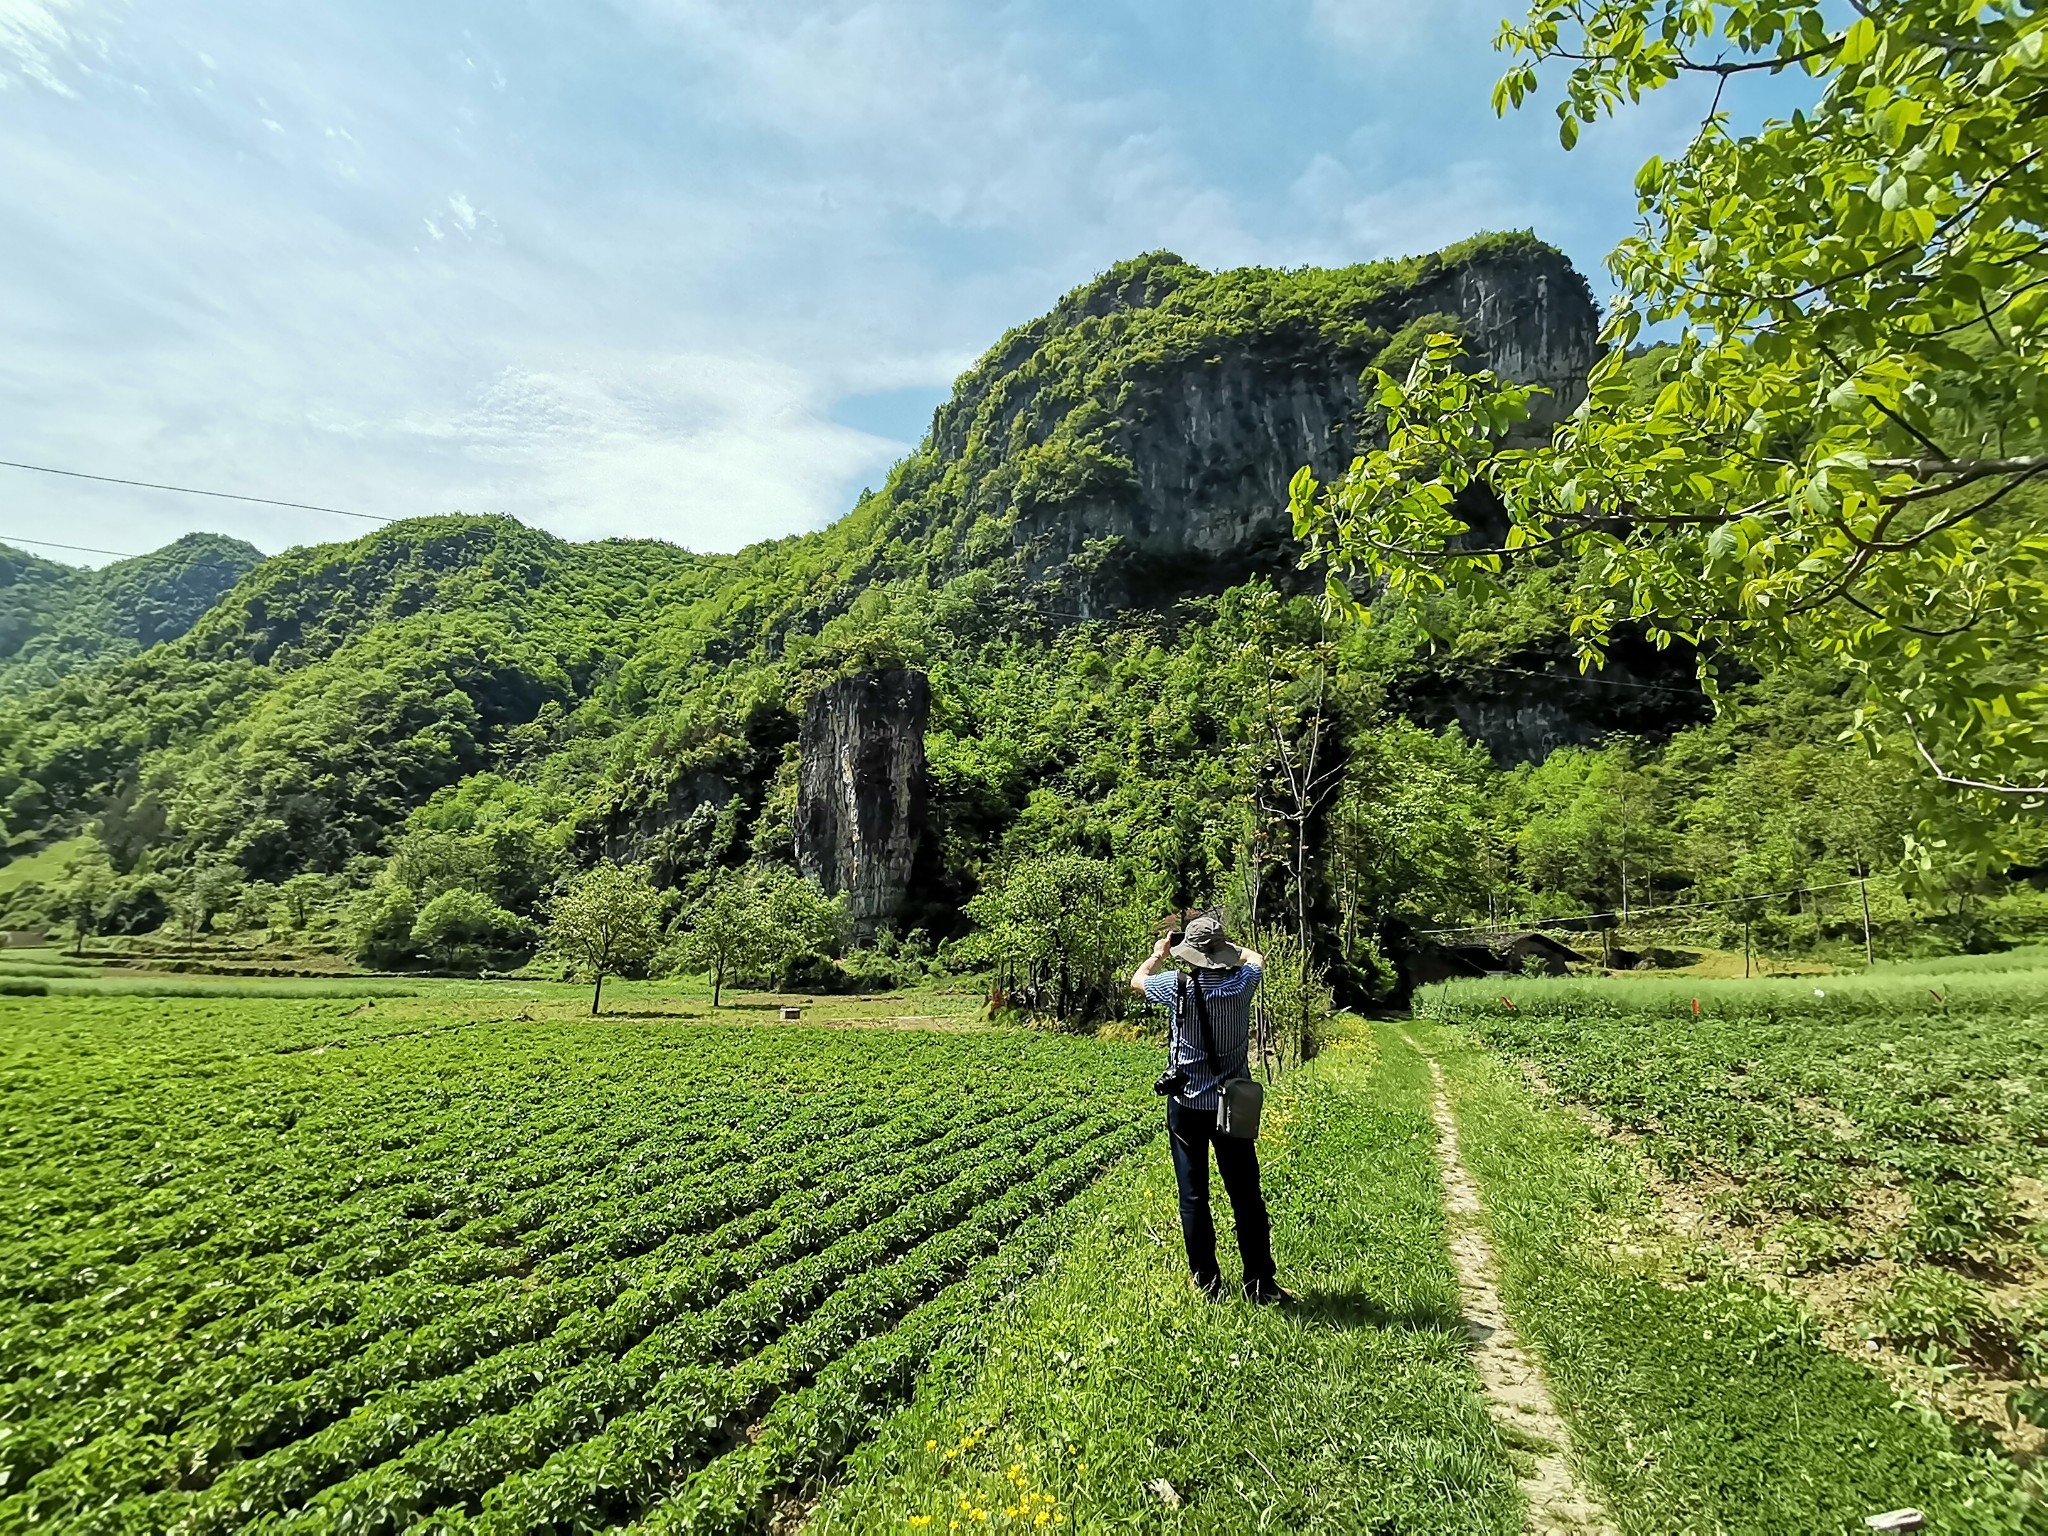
pixel 2028 957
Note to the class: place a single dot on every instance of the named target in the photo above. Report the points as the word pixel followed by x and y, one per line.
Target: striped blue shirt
pixel 1227 995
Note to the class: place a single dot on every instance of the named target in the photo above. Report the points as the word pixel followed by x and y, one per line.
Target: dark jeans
pixel 1192 1133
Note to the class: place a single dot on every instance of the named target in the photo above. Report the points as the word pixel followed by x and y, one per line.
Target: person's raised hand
pixel 1163 948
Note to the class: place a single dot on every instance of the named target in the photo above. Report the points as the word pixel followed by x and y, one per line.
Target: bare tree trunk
pixel 597 993
pixel 1863 890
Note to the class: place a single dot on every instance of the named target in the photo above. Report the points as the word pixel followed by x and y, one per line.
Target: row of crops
pixel 302 1265
pixel 1887 1135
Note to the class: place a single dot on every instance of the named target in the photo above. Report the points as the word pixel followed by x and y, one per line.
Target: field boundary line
pixel 1556 1503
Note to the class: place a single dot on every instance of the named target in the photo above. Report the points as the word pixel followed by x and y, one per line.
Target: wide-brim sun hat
pixel 1207 947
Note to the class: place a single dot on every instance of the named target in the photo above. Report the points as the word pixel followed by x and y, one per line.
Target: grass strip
pixel 1354 1410
pixel 1699 1401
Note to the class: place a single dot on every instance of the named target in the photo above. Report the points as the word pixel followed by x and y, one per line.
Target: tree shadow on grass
pixel 1355 1309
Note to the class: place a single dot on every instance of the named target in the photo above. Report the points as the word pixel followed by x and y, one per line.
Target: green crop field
pixel 268 1259
pixel 1854 1163
pixel 469 1260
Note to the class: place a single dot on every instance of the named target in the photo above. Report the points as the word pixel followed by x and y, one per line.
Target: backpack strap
pixel 1207 1038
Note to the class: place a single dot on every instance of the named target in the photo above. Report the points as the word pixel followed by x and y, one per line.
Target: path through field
pixel 1559 1502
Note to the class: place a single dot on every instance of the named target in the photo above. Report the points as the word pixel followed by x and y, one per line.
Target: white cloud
pixel 33 36
pixel 695 446
pixel 1408 212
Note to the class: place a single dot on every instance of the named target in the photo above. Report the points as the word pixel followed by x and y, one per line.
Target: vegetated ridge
pixel 1088 558
pixel 55 618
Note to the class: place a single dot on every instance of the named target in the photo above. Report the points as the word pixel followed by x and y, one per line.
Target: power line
pixel 83 549
pixel 188 490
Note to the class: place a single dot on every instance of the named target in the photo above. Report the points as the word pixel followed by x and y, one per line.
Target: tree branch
pixel 1912 629
pixel 1960 471
pixel 2027 791
pixel 1985 505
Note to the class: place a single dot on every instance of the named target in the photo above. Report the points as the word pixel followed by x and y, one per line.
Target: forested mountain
pixel 1087 557
pixel 55 618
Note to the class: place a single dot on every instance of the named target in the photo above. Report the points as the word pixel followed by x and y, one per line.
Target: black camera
pixel 1172 1080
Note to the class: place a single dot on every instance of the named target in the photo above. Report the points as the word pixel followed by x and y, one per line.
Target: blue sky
pixel 688 269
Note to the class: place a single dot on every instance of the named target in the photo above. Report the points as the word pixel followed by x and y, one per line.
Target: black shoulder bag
pixel 1242 1098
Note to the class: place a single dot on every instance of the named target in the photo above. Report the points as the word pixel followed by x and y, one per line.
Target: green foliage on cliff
pixel 1049 416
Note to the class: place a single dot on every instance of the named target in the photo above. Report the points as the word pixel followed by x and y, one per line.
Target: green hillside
pixel 56 618
pixel 1086 557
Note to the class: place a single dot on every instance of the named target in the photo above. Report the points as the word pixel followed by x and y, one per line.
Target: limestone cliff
pixel 1136 443
pixel 860 816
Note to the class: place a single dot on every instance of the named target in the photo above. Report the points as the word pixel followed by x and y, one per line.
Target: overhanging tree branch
pixel 2025 791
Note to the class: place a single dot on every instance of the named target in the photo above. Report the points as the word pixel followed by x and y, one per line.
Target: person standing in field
pixel 1209 1046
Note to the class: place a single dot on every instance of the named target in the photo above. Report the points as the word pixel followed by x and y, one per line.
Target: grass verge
pixel 1355 1410
pixel 1699 1400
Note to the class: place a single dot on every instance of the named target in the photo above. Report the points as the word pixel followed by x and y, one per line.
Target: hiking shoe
pixel 1267 1293
pixel 1211 1287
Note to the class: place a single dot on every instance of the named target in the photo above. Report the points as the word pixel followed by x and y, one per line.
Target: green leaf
pixel 1859 42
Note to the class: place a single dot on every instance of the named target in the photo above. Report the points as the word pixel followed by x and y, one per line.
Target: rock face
pixel 861 793
pixel 1206 444
pixel 1525 706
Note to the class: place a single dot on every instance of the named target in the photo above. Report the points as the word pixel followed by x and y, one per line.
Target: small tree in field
pixel 609 918
pixel 462 928
pixel 726 933
pixel 1071 924
pixel 752 922
pixel 299 893
pixel 84 897
pixel 211 890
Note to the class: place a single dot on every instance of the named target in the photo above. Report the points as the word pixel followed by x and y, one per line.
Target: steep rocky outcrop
pixel 1136 444
pixel 861 794
pixel 1213 441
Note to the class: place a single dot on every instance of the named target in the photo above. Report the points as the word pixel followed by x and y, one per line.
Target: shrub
pixel 381 923
pixel 1298 1001
pixel 465 930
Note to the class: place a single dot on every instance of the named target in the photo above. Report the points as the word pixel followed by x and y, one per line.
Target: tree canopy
pixel 1838 451
pixel 606 921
